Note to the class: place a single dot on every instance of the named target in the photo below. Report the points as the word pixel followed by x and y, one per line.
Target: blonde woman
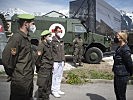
pixel 122 67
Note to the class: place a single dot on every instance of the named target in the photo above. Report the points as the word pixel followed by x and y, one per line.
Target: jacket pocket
pixel 41 80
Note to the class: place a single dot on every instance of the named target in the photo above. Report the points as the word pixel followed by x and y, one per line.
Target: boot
pixel 80 64
pixel 75 65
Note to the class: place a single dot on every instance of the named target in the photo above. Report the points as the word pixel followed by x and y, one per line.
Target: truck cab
pixel 94 44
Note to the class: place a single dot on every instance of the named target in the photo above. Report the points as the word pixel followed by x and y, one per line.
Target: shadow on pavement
pixel 131 79
pixel 95 97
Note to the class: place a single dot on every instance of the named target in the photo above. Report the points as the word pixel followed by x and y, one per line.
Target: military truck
pixel 94 44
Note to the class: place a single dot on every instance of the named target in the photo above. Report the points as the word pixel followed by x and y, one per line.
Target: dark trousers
pixel 21 90
pixel 44 83
pixel 120 85
pixel 18 97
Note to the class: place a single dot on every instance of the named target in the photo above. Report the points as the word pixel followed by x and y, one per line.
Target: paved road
pixel 95 91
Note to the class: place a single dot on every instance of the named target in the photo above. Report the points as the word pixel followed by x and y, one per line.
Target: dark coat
pixel 46 57
pixel 44 76
pixel 18 63
pixel 58 49
pixel 123 65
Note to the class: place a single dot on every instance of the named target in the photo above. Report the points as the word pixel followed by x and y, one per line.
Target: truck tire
pixel 93 55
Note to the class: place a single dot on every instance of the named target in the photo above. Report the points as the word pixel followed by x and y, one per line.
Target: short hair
pixel 21 21
pixel 56 27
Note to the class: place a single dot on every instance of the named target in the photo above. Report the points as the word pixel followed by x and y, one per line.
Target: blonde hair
pixel 123 36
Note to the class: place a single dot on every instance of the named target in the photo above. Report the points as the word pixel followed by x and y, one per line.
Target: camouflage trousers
pixel 77 55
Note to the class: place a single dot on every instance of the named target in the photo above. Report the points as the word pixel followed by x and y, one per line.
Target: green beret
pixel 45 32
pixel 26 16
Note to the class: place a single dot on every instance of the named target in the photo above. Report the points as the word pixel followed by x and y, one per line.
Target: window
pixel 79 29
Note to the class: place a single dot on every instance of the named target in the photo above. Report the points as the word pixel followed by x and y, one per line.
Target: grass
pixel 2 72
pixel 83 75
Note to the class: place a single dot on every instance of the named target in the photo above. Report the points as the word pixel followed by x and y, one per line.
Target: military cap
pixel 45 32
pixel 26 16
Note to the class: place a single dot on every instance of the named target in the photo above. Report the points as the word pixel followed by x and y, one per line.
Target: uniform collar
pixel 46 43
pixel 56 39
pixel 23 34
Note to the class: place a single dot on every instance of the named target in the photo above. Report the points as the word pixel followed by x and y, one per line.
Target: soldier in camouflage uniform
pixel 44 64
pixel 17 59
pixel 78 50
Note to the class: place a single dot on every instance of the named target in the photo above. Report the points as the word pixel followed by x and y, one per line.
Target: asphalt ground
pixel 90 91
pixel 98 90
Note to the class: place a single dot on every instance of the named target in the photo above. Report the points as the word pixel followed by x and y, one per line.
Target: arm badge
pixel 13 51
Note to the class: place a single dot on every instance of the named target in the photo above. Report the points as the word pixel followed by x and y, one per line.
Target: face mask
pixel 59 34
pixel 49 38
pixel 116 40
pixel 32 28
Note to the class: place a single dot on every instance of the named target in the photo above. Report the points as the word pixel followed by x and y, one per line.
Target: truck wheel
pixel 93 55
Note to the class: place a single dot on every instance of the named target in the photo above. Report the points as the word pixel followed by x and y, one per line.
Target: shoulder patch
pixel 13 51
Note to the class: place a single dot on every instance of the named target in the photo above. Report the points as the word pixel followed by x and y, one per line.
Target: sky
pixel 46 6
pixel 126 5
pixel 35 5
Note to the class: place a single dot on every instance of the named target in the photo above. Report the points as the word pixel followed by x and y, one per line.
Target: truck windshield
pixel 79 29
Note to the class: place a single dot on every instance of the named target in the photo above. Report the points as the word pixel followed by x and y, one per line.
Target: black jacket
pixel 123 65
